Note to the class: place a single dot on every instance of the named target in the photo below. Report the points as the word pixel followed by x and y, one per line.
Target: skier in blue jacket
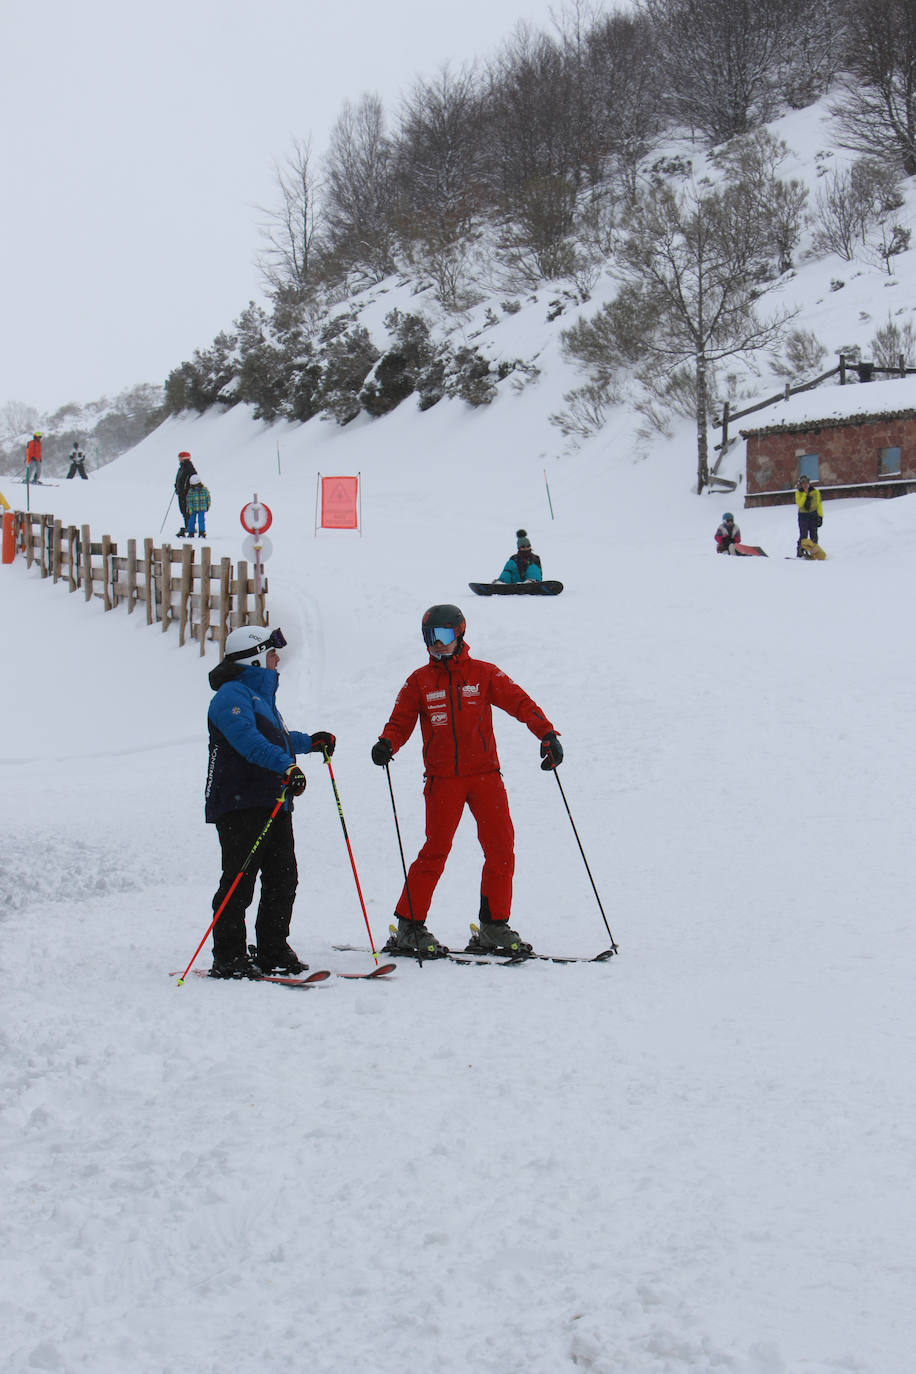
pixel 252 760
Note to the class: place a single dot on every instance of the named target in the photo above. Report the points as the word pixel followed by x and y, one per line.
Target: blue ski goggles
pixel 438 634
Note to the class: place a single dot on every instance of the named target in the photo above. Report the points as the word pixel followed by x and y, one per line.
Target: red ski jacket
pixel 33 451
pixel 453 700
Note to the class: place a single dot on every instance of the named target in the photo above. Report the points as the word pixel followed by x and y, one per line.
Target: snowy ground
pixel 697 1157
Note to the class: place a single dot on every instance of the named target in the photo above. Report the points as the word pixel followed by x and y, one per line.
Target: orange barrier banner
pixel 339 503
pixel 9 537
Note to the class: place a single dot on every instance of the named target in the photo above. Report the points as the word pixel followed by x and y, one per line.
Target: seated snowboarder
pixel 728 535
pixel 523 566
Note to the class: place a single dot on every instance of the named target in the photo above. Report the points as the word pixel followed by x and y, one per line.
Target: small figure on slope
pixel 253 757
pixel 728 535
pixel 810 514
pixel 197 503
pixel 186 471
pixel 453 698
pixel 523 566
pixel 77 464
pixel 33 458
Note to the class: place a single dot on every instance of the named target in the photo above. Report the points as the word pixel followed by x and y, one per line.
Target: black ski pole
pixel 585 860
pixel 162 526
pixel 401 851
pixel 400 846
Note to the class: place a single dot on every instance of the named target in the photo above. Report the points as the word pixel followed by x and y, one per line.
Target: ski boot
pixel 239 967
pixel 284 961
pixel 412 937
pixel 497 937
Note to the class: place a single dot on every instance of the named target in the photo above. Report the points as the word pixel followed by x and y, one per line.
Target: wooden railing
pixel 206 598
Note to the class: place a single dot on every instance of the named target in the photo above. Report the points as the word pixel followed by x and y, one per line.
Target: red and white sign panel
pixel 339 503
pixel 256 517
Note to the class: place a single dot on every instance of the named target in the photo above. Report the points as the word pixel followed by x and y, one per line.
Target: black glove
pixel 551 752
pixel 322 743
pixel 294 780
pixel 382 752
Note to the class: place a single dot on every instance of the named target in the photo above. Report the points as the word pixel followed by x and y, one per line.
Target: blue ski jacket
pixel 250 747
pixel 522 567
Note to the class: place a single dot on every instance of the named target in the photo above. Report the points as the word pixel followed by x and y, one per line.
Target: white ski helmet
pixel 250 644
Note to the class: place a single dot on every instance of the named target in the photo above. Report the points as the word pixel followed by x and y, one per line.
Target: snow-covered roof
pixel 842 404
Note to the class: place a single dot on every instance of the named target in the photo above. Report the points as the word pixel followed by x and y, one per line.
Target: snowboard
pixel 516 588
pixel 750 550
pixel 812 550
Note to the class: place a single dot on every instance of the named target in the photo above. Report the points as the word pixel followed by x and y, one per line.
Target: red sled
pixel 750 551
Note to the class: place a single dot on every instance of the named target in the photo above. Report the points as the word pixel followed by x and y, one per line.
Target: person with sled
pixel 810 514
pixel 186 471
pixel 523 565
pixel 33 458
pixel 77 464
pixel 197 503
pixel 252 763
pixel 453 698
pixel 728 535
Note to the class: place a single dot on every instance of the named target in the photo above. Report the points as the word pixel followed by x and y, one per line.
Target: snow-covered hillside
pixel 696 1157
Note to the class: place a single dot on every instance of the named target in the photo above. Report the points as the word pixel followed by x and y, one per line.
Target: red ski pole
pixel 350 852
pixel 238 878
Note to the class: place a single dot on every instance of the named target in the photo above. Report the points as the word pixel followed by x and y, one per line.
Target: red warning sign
pixel 339 503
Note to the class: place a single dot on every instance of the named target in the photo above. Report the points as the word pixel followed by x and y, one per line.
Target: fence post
pixel 73 564
pixel 56 529
pixel 86 561
pixel 131 575
pixel 204 624
pixel 106 571
pixel 187 576
pixel 44 526
pixel 165 580
pixel 148 582
pixel 225 602
pixel 241 597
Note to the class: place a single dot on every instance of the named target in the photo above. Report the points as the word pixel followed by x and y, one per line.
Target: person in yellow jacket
pixel 810 513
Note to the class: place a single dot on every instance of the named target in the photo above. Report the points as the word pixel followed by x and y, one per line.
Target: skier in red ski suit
pixel 453 698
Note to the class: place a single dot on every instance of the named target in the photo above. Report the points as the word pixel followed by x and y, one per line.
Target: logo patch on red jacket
pixel 438 717
pixel 471 689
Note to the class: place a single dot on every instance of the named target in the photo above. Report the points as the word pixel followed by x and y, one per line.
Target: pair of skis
pixel 312 980
pixel 472 956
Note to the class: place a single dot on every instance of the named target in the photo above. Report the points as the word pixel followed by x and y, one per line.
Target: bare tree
pixel 623 84
pixel 16 419
pixel 437 155
pixel 359 200
pixel 689 269
pixel 754 161
pixel 722 60
pixel 853 202
pixel 291 228
pixel 877 113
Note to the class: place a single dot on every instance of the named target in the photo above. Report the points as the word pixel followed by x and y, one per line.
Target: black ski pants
pixel 807 527
pixel 275 860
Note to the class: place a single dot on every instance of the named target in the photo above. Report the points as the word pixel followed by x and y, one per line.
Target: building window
pixel 889 462
pixel 809 466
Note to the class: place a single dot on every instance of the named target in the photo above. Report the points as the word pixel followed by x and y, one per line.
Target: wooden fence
pixel 206 598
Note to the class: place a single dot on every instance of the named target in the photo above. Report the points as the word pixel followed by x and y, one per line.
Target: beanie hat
pixel 184 453
pixel 195 480
pixel 523 541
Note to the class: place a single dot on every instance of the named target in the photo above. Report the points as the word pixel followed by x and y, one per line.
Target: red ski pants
pixel 485 795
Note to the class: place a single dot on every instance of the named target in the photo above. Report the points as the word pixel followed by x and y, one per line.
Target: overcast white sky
pixel 137 142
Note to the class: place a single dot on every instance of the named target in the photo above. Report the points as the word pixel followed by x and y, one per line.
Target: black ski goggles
pixel 275 640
